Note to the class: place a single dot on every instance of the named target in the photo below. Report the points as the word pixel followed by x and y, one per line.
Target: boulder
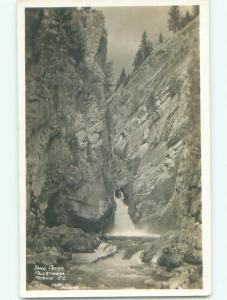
pixel 103 251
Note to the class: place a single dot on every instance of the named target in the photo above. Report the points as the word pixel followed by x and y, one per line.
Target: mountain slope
pixel 155 135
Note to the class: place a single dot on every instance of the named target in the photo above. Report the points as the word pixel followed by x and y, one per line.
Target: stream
pixel 117 263
pixel 120 269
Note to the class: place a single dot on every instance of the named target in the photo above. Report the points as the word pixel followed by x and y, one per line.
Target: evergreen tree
pixel 146 45
pixel 70 36
pixel 188 16
pixel 186 19
pixel 62 15
pixel 174 20
pixel 195 10
pixel 144 51
pixel 160 39
pixel 138 59
pixel 122 79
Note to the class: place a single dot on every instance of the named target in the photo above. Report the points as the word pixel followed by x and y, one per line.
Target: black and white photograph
pixel 114 148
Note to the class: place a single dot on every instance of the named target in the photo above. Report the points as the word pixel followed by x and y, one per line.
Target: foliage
pixel 186 19
pixel 146 45
pixel 174 18
pixel 53 30
pixel 177 21
pixel 174 86
pixel 193 74
pixel 108 80
pixel 195 10
pixel 55 133
pixel 144 50
pixel 122 79
pixel 138 59
pixel 151 102
pixel 69 36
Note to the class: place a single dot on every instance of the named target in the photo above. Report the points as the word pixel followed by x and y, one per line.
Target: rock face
pixel 154 123
pixel 68 175
pixel 144 140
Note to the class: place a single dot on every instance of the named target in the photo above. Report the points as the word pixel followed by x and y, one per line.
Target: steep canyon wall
pixel 144 140
pixel 69 178
pixel 155 130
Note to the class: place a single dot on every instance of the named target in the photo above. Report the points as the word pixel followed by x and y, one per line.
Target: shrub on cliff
pixel 174 86
pixel 151 102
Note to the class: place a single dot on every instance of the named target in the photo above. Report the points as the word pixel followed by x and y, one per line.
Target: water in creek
pixel 116 263
pixel 119 265
pixel 117 271
pixel 123 225
pixel 123 268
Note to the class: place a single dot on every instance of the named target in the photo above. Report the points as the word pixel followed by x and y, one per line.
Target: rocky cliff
pixel 144 140
pixel 154 123
pixel 69 180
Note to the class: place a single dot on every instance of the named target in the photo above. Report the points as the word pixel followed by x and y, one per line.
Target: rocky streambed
pixel 121 263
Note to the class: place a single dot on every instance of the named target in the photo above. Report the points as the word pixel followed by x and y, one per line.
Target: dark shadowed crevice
pixel 50 214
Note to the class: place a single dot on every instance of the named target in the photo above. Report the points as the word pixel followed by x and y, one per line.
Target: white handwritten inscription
pixel 52 274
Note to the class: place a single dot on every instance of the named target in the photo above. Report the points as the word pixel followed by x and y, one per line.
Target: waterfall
pixel 123 225
pixel 122 222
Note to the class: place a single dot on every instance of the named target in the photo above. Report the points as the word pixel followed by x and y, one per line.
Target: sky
pixel 125 26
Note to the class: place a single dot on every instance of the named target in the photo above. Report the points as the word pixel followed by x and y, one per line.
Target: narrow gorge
pixel 86 151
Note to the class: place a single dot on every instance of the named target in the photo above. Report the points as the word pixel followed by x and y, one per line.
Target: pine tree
pixel 144 51
pixel 122 79
pixel 160 39
pixel 70 36
pixel 195 10
pixel 138 59
pixel 186 19
pixel 174 20
pixel 146 45
pixel 62 15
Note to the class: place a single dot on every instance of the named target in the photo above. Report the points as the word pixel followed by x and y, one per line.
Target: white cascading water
pixel 123 225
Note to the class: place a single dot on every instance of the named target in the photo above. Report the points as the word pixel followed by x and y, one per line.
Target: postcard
pixel 114 133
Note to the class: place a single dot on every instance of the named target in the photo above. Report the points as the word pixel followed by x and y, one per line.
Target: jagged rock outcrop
pixel 154 123
pixel 69 180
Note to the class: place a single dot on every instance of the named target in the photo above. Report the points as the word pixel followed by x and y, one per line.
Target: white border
pixel 205 146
